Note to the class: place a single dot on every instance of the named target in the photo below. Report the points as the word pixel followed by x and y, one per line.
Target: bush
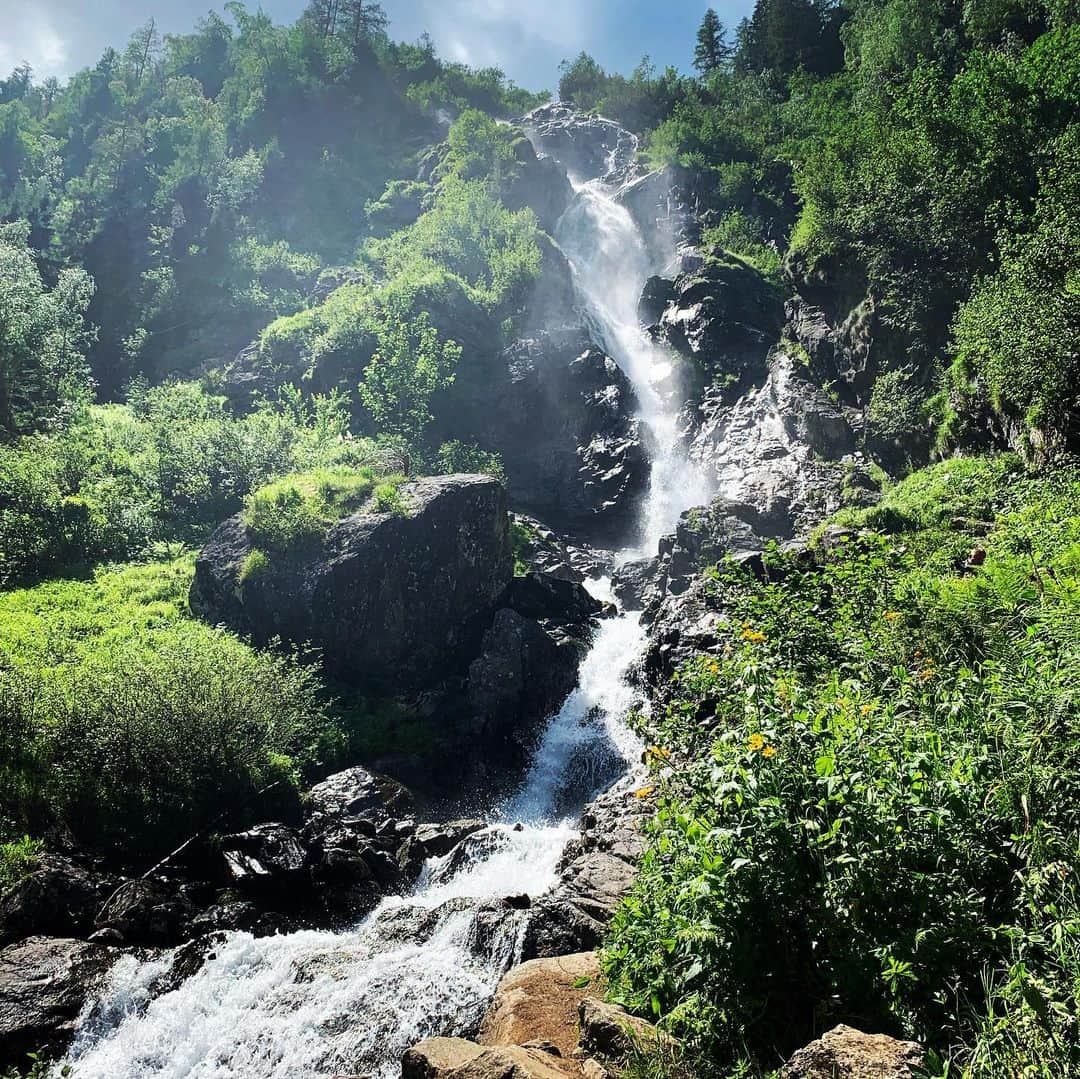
pixel 131 724
pixel 868 791
pixel 18 858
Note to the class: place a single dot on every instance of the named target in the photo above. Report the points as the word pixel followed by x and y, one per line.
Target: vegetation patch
pixel 867 792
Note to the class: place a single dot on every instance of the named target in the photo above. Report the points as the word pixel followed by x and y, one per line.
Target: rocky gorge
pixel 661 411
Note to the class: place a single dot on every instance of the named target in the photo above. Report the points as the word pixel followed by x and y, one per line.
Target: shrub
pixel 131 724
pixel 18 857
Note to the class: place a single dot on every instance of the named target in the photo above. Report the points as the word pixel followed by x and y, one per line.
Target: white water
pixel 311 1004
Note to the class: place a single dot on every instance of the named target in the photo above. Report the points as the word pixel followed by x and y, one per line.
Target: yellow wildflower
pixel 658 753
pixel 893 616
pixel 754 636
pixel 769 751
pixel 866 709
pixel 644 792
pixel 756 742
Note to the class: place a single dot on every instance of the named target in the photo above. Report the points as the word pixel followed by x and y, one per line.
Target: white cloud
pixel 30 37
pixel 523 35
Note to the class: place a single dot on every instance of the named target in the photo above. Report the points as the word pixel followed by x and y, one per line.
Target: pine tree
pixel 712 49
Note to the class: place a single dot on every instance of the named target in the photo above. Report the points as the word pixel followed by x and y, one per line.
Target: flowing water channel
pixel 310 1003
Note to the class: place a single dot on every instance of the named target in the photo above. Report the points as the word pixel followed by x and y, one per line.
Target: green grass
pixel 299 508
pixel 18 857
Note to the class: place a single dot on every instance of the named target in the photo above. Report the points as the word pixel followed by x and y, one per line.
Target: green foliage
pixel 455 456
pixel 298 509
pixel 18 857
pixel 132 725
pixel 868 790
pixel 522 543
pixel 43 371
pixel 170 465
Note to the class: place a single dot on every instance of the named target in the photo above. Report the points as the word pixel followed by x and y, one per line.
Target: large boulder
pixel 395 601
pixel 455 1058
pixel 44 983
pixel 538 1001
pixel 846 1053
pixel 58 898
pixel 268 859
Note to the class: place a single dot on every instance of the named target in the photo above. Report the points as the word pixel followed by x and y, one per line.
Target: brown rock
pixel 538 1002
pixel 455 1058
pixel 846 1053
pixel 436 1058
pixel 612 1033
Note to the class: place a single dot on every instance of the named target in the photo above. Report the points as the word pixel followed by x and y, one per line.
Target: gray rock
pixel 635 583
pixel 586 146
pixel 58 898
pixel 44 983
pixel 392 600
pixel 268 857
pixel 435 841
pixel 547 598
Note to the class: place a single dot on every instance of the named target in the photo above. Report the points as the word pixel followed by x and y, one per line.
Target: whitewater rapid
pixel 310 1003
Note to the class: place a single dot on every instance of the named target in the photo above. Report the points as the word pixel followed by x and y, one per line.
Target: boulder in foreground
pixel 846 1053
pixel 394 600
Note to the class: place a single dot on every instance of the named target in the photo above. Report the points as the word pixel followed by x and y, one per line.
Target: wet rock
pixel 266 858
pixel 355 799
pixel 522 676
pixel 612 1033
pixel 846 1053
pixel 58 898
pixel 586 146
pixel 547 598
pixel 547 552
pixel 538 1002
pixel 560 413
pixel 149 911
pixel 434 841
pixel 725 317
pixel 392 600
pixel 657 294
pixel 574 916
pixel 44 983
pixel 655 202
pixel 779 455
pixel 635 583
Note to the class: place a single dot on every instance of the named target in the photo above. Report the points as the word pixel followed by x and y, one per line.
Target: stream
pixel 315 1003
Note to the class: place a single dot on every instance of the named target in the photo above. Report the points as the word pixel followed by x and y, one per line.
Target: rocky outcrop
pixel 57 898
pixel 611 1033
pixel 44 983
pixel 846 1053
pixel 725 317
pixel 561 416
pixel 595 873
pixel 394 601
pixel 456 1058
pixel 587 146
pixel 544 550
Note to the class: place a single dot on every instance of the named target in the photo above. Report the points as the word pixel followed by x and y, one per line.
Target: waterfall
pixel 321 1003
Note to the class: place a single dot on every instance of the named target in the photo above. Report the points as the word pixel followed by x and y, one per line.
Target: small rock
pixel 437 1058
pixel 612 1033
pixel 268 856
pixel 148 910
pixel 846 1053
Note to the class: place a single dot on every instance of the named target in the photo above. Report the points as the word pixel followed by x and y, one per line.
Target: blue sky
pixel 527 38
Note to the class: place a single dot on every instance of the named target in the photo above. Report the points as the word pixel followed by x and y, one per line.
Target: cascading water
pixel 320 1003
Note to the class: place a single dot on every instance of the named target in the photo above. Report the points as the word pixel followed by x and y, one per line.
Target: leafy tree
pixel 712 50
pixel 43 370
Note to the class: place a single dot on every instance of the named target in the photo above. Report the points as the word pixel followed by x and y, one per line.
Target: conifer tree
pixel 712 49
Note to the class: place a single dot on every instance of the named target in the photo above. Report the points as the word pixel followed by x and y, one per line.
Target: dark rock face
pixel 560 413
pixel 725 317
pixel 59 898
pixel 522 676
pixel 587 146
pixel 44 983
pixel 154 911
pixel 596 872
pixel 543 597
pixel 392 601
pixel 550 554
